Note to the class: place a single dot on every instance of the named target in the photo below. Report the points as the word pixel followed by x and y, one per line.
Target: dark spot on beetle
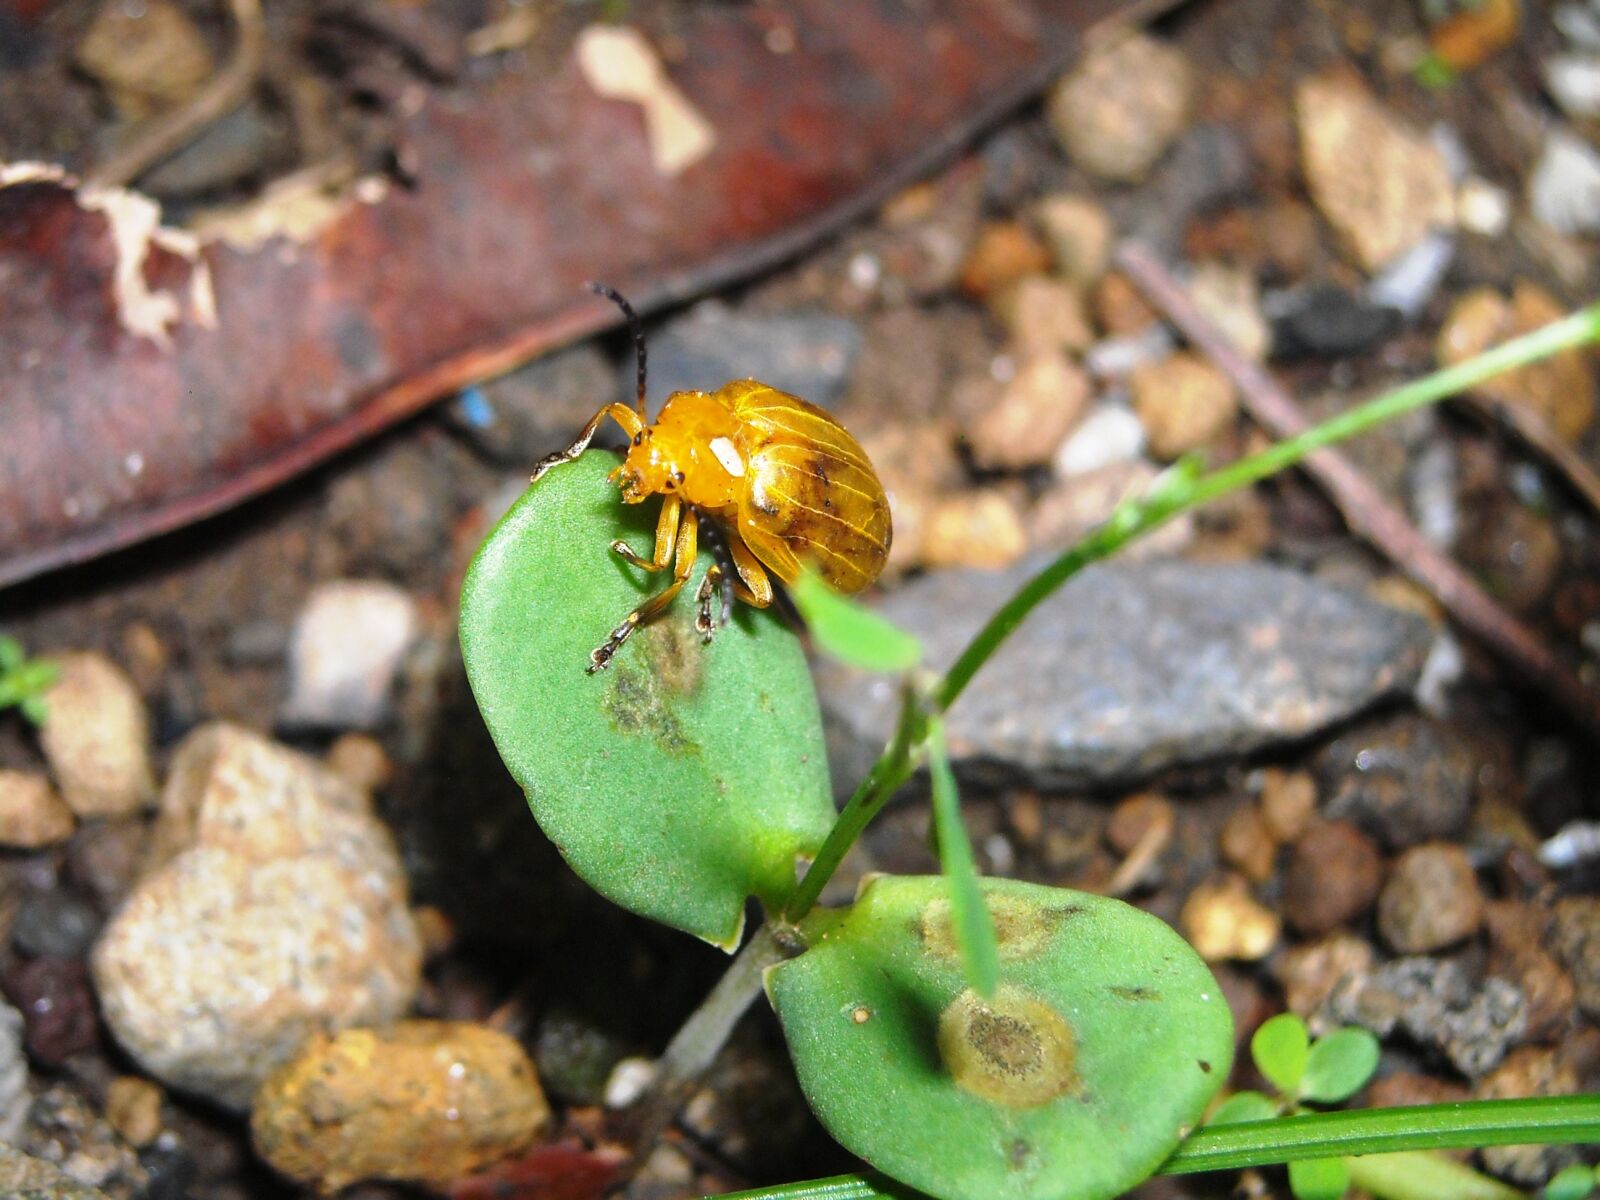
pixel 1135 994
pixel 766 506
pixel 1204 1065
pixel 827 504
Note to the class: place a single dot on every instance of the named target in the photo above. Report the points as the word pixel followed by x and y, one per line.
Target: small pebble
pixel 1575 940
pixel 105 858
pixel 1223 921
pixel 629 1080
pixel 1382 186
pixel 1560 389
pixel 1409 283
pixel 149 57
pixel 55 923
pixel 1075 505
pixel 24 1177
pixel 1119 110
pixel 1288 802
pixel 1327 321
pixel 1227 296
pixel 330 1117
pixel 1527 1072
pixel 1405 780
pixel 1310 973
pixel 980 528
pixel 348 643
pixel 1044 316
pixel 55 1000
pixel 1037 408
pixel 1183 403
pixel 1004 254
pixel 1079 234
pixel 1135 817
pixel 1332 877
pixel 1119 309
pixel 31 814
pixel 96 735
pixel 1516 939
pixel 133 1106
pixel 1109 435
pixel 1430 900
pixel 362 760
pixel 1573 81
pixel 1482 208
pixel 1564 187
pixel 1247 844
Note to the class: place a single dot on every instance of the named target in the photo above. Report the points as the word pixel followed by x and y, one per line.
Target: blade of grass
pixel 1559 1120
pixel 849 632
pixel 969 915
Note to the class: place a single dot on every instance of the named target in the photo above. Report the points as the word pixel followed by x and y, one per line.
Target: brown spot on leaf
pixel 1013 1049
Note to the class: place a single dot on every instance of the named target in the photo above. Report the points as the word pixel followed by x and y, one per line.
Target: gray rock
pixel 23 1177
pixel 64 1130
pixel 1135 667
pixel 808 354
pixel 1438 1004
pixel 1564 188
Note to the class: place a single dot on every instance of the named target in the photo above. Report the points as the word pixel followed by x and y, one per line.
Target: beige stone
pixel 31 814
pixel 96 735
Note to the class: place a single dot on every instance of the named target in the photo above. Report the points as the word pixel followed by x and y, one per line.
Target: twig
pixel 1368 513
pixel 1536 432
pixel 226 90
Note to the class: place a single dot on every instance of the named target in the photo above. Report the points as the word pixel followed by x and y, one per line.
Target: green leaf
pixel 1339 1065
pixel 851 633
pixel 1104 1042
pixel 34 708
pixel 11 653
pixel 684 778
pixel 1242 1107
pixel 1281 1047
pixel 974 928
pixel 1572 1183
pixel 1319 1179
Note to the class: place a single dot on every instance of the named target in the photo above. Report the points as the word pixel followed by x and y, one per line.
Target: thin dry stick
pixel 1536 432
pixel 1367 512
pixel 226 90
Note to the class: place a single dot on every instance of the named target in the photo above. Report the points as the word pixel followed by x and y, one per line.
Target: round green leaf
pixel 1339 1065
pixel 1281 1047
pixel 1103 1044
pixel 684 778
pixel 1242 1108
pixel 1571 1183
pixel 1319 1179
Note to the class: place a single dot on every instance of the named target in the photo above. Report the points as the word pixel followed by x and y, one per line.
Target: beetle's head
pixel 650 467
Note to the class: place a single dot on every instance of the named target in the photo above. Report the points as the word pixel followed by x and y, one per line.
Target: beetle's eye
pixel 638 437
pixel 677 476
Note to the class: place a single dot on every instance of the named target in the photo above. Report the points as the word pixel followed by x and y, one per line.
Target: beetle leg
pixel 630 421
pixel 688 549
pixel 755 587
pixel 666 538
pixel 713 587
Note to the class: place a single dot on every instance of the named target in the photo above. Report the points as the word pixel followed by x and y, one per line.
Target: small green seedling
pixel 967 1036
pixel 24 680
pixel 1577 1182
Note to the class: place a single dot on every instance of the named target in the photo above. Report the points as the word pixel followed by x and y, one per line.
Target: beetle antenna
pixel 634 327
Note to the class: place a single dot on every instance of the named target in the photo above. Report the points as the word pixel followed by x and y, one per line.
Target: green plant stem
pixel 893 768
pixel 1580 328
pixel 1419 1175
pixel 690 1053
pixel 1173 494
pixel 1562 1120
